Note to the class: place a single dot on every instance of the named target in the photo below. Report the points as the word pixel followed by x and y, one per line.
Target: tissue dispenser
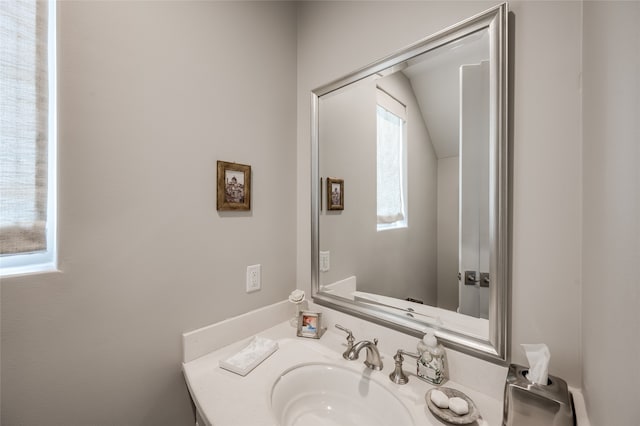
pixel 530 404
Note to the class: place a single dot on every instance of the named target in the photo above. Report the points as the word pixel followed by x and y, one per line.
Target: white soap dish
pixel 258 349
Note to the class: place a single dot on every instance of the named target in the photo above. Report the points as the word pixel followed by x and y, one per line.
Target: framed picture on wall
pixel 335 194
pixel 234 186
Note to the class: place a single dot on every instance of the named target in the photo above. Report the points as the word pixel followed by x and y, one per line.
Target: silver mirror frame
pixel 496 347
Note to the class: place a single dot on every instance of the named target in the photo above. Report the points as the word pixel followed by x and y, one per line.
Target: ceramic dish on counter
pixel 449 416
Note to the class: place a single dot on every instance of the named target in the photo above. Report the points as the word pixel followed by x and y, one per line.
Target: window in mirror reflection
pixel 391 162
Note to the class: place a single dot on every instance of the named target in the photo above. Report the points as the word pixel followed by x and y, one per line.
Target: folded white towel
pixel 258 349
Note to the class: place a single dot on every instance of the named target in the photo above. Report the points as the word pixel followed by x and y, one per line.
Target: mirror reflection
pixel 416 235
pixel 411 143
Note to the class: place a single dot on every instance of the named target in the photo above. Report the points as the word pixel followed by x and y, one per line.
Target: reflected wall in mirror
pixel 420 137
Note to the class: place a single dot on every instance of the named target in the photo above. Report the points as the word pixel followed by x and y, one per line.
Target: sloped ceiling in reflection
pixel 435 79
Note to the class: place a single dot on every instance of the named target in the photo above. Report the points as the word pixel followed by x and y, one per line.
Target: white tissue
pixel 251 356
pixel 538 356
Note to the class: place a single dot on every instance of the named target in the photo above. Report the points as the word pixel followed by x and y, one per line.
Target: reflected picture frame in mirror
pixel 489 339
pixel 335 194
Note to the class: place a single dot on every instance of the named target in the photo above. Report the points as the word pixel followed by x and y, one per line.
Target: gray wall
pixel 611 212
pixel 575 204
pixel 546 154
pixel 151 94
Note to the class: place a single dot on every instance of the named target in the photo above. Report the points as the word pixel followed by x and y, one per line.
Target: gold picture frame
pixel 335 194
pixel 234 186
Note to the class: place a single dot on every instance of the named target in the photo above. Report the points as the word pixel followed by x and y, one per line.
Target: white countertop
pixel 224 398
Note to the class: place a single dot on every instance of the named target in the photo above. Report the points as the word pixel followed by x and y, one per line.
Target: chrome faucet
pixel 352 352
pixel 373 360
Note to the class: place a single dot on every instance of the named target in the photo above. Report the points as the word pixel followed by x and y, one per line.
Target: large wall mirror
pixel 410 185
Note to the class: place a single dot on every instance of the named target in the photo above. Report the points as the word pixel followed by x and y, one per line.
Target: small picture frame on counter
pixel 310 324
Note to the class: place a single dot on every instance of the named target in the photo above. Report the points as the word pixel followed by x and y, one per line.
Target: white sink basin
pixel 327 394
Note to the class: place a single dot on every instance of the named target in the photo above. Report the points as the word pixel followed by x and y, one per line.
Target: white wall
pixel 151 95
pixel 546 143
pixel 611 211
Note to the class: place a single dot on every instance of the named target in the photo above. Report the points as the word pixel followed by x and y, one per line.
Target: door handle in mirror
pixel 484 279
pixel 470 278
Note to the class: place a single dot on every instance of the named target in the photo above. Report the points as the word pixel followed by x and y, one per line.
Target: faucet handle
pixel 346 330
pixel 350 340
pixel 397 375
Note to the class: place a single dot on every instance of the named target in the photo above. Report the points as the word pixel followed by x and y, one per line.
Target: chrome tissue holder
pixel 530 404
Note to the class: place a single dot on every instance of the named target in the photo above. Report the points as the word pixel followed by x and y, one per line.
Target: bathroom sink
pixel 326 394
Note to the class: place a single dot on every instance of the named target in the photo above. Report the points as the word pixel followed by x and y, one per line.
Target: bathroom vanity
pixel 225 398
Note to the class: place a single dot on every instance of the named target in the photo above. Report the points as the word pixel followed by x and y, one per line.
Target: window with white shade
pixel 391 162
pixel 27 136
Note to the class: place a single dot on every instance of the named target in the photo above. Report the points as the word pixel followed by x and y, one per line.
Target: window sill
pixel 390 226
pixel 37 263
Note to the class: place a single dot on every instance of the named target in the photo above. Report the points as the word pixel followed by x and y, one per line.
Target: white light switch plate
pixel 253 278
pixel 325 261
